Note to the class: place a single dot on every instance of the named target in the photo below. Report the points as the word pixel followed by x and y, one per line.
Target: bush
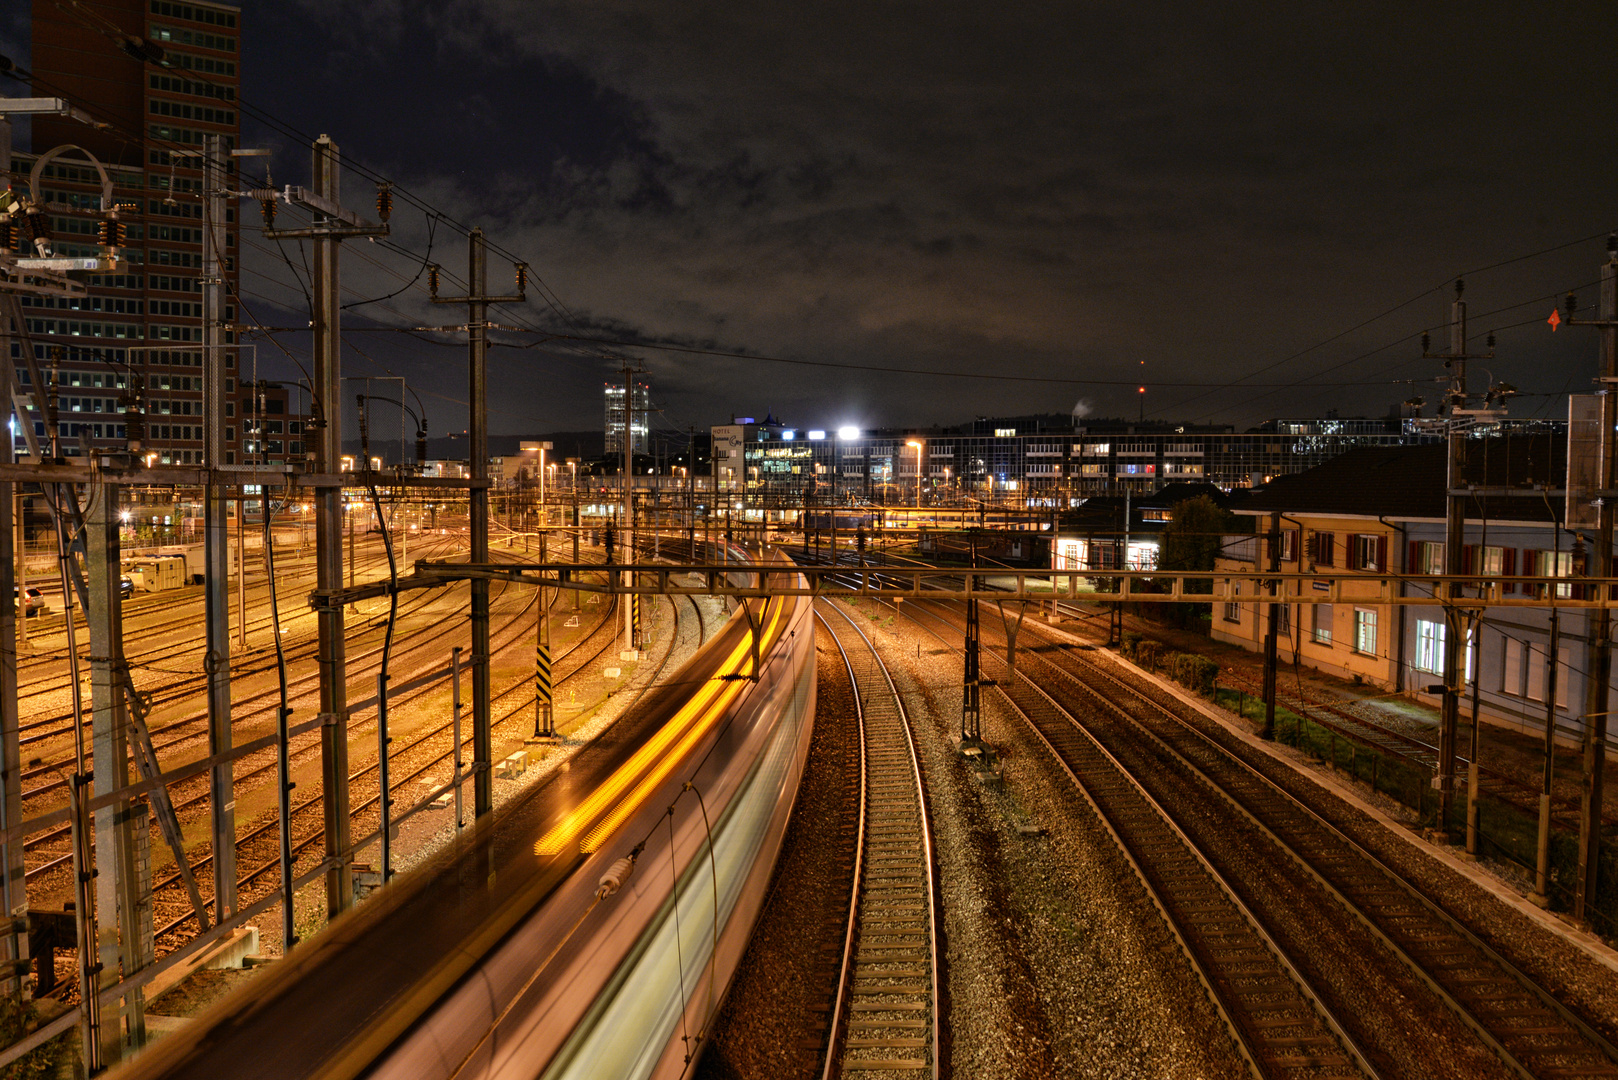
pixel 1147 654
pixel 1128 643
pixel 1194 672
pixel 56 1058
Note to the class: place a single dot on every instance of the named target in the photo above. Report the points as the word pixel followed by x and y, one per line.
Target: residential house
pixel 1381 511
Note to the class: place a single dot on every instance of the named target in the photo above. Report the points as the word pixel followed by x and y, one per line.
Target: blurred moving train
pixel 589 928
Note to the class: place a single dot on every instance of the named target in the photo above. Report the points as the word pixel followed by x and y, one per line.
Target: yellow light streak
pixel 698 731
pixel 706 705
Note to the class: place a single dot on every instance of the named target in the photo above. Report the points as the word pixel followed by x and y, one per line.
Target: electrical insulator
pixel 1426 341
pixel 522 277
pixel 110 232
pixel 421 448
pixel 8 234
pixel 1572 304
pixel 1460 286
pixel 384 202
pixel 432 278
pixel 1491 341
pixel 1612 242
pixel 267 208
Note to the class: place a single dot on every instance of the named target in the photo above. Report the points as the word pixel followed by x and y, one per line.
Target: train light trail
pixel 652 762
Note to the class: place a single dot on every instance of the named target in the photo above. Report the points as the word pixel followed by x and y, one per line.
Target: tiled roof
pixel 1409 481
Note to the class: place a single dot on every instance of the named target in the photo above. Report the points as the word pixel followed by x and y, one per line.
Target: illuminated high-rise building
pixel 158 76
pixel 615 418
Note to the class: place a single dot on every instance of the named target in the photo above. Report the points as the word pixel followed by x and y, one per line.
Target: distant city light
pixel 817 435
pixel 848 433
pixel 788 434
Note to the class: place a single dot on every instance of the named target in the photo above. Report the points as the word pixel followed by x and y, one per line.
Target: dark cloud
pixel 1029 188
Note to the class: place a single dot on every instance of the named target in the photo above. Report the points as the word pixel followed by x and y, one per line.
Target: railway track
pixel 38 671
pixel 1198 781
pixel 250 708
pixel 885 1013
pixel 411 761
pixel 1277 1018
pixel 424 751
pixel 1365 730
pixel 359 663
pixel 190 793
pixel 175 690
pixel 1526 1026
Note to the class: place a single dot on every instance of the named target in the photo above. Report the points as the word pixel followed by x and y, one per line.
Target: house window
pixel 1367 551
pixel 1365 631
pixel 1492 561
pixel 1536 673
pixel 1511 667
pixel 1321 624
pixel 1429 646
pixel 1428 557
pixel 1233 608
pixel 1323 553
pixel 1289 545
pixel 1550 564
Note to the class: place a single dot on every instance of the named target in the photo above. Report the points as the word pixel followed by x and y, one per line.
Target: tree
pixel 1193 538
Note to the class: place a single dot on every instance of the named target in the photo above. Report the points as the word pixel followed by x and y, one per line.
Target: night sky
pixel 1097 193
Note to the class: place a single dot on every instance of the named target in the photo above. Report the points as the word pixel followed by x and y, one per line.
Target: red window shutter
pixel 1531 565
pixel 1327 541
pixel 1508 567
pixel 1381 554
pixel 1351 551
pixel 1468 558
pixel 1413 559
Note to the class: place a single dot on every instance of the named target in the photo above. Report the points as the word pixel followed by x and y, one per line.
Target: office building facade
pixel 788 465
pixel 140 326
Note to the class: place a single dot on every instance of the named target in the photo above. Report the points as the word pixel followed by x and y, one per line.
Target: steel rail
pixel 1494 1039
pixel 845 970
pixel 1260 1044
pixel 314 801
pixel 863 884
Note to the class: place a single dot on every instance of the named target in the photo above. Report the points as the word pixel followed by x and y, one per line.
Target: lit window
pixel 1365 631
pixel 1429 646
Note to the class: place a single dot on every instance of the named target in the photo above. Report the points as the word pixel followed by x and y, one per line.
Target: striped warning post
pixel 542 673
